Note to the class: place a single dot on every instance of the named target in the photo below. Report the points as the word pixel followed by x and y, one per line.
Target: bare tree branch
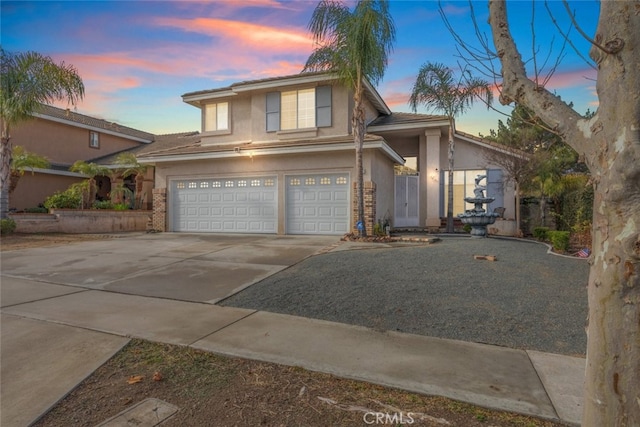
pixel 566 37
pixel 519 88
pixel 582 33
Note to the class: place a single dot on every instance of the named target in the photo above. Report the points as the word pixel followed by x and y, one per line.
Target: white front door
pixel 406 201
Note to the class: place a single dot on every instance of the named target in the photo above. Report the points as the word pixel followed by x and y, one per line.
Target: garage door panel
pixel 325 211
pixel 269 197
pixel 225 205
pixel 340 196
pixel 325 195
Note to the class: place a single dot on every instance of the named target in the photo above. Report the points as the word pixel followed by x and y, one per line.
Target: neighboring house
pixel 63 136
pixel 277 156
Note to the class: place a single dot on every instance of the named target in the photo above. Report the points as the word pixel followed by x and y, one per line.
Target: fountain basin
pixel 478 221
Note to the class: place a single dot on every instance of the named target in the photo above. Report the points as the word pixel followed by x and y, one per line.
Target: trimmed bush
pixel 103 204
pixel 7 226
pixel 39 209
pixel 68 199
pixel 559 240
pixel 540 233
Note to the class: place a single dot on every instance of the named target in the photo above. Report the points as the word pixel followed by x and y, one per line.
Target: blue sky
pixel 138 57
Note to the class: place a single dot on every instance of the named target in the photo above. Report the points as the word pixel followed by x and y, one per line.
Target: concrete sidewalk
pixel 54 331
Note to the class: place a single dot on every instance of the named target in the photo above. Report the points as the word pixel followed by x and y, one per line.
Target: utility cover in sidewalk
pixel 147 413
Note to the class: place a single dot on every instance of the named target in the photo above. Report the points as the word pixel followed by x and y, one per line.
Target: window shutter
pixel 273 111
pixel 323 106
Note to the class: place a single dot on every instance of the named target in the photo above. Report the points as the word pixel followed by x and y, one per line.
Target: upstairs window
pixel 299 109
pixel 216 117
pixel 94 139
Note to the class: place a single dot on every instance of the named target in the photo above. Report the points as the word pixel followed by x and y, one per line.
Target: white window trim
pixel 91 139
pixel 216 131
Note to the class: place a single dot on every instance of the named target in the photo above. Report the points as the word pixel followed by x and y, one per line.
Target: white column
pixel 432 172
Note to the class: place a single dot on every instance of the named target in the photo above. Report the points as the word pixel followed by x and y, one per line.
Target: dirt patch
pixel 211 390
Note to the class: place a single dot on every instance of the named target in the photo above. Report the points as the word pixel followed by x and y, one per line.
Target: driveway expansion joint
pixel 222 328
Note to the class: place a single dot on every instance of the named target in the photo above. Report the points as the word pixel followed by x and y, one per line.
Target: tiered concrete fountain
pixel 478 218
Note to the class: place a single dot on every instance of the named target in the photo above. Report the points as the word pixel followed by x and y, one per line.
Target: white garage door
pixel 317 204
pixel 230 205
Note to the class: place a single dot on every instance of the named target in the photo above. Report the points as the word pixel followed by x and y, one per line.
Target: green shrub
pixel 103 204
pixel 39 209
pixel 559 240
pixel 71 198
pixel 540 233
pixel 7 226
pixel 467 228
pixel 121 206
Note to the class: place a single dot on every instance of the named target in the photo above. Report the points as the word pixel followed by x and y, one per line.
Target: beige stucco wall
pixel 270 165
pixel 380 170
pixel 32 190
pixel 64 144
pixel 61 144
pixel 471 156
pixel 248 118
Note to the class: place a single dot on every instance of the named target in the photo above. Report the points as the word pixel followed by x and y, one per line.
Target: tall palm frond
pixel 437 88
pixel 353 46
pixel 28 80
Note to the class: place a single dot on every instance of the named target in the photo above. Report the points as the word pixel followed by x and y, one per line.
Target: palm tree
pixel 22 161
pixel 29 80
pixel 437 87
pixel 353 45
pixel 129 165
pixel 91 170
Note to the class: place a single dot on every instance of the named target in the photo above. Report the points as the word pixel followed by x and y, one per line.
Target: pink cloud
pixel 574 78
pixel 244 34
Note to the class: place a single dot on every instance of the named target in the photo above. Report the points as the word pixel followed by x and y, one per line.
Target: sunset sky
pixel 138 57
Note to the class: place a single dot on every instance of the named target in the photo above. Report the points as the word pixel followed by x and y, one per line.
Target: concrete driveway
pixel 189 267
pixel 46 291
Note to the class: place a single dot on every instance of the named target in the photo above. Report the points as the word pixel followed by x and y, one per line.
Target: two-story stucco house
pixel 277 156
pixel 64 136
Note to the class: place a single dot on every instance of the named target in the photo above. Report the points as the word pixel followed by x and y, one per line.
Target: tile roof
pixel 72 117
pixel 501 147
pixel 405 118
pixel 161 143
pixel 194 146
pixel 253 82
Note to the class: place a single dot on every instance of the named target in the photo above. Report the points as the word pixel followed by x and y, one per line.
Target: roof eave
pixel 232 153
pixel 89 127
pixel 407 126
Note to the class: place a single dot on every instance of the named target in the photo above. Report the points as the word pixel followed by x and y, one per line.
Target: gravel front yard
pixel 527 299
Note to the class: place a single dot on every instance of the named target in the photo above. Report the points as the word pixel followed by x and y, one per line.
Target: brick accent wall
pixel 369 206
pixel 160 209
